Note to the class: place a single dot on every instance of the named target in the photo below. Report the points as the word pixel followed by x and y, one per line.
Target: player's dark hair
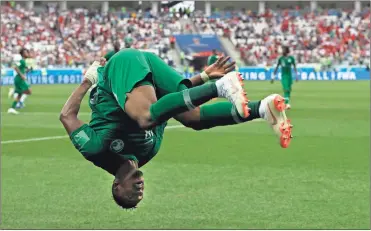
pixel 286 50
pixel 21 51
pixel 120 201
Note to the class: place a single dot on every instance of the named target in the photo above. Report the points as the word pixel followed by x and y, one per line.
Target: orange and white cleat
pixel 273 108
pixel 230 86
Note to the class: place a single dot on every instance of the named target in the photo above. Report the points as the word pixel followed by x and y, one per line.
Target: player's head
pixel 128 186
pixel 24 53
pixel 214 51
pixel 286 50
pixel 117 46
pixel 127 44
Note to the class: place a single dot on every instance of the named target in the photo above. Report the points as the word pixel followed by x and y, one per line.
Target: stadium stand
pixel 332 36
pixel 77 36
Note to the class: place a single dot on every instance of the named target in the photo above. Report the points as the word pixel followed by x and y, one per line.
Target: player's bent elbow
pixel 64 117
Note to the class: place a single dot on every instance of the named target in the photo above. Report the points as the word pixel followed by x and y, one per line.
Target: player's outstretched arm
pixel 214 71
pixel 69 112
pixel 68 116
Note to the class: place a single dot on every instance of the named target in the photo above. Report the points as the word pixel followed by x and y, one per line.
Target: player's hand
pixel 102 61
pixel 220 68
pixel 91 74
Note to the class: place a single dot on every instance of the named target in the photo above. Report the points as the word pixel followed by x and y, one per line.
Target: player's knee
pixel 145 122
pixel 191 119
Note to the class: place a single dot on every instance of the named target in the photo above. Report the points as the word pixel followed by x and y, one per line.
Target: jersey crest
pixel 117 145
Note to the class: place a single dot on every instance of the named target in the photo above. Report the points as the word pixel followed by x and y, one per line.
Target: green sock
pixel 14 104
pixel 172 104
pixel 286 95
pixel 224 113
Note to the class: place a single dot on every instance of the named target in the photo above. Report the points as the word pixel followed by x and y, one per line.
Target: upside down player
pixel 136 94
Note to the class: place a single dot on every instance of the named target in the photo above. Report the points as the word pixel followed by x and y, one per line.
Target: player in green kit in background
pixel 212 58
pixel 286 62
pixel 21 87
pixel 136 94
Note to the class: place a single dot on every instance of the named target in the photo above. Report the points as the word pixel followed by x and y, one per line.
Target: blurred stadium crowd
pixel 327 36
pixel 76 37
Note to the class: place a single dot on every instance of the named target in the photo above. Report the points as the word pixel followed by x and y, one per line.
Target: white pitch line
pixel 60 137
pixel 63 137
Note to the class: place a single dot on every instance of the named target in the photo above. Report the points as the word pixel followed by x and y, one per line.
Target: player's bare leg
pixel 12 110
pixel 23 98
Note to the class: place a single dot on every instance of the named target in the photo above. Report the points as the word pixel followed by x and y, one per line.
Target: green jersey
pixel 20 85
pixel 22 66
pixel 212 59
pixel 112 135
pixel 109 55
pixel 286 63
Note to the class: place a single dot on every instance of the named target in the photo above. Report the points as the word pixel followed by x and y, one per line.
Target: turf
pixel 233 177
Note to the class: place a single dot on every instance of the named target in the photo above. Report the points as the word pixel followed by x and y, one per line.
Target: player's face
pixel 132 186
pixel 26 54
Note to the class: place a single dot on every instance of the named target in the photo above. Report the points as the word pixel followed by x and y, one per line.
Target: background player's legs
pixel 286 85
pixel 12 110
pixel 286 95
pixel 24 96
pixel 217 114
pixel 18 99
pixel 142 105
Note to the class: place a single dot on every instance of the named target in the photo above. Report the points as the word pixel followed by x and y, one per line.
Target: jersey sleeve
pixel 23 64
pixel 279 61
pixel 293 60
pixel 86 141
pixel 19 63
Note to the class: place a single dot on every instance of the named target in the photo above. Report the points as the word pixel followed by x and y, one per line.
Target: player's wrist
pixel 204 76
pixel 87 82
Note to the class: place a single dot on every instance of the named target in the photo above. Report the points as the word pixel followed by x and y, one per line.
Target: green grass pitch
pixel 234 177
